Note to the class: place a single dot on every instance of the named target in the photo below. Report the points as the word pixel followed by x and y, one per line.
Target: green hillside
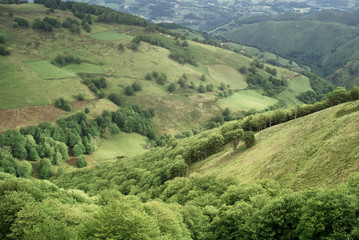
pixel 311 40
pixel 346 76
pixel 39 82
pixel 244 192
pixel 317 150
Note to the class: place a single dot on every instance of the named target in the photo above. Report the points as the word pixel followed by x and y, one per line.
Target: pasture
pixel 121 144
pixel 227 75
pixel 46 70
pixel 109 36
pixel 246 100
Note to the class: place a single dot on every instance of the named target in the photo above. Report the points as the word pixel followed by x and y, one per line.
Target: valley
pixel 112 127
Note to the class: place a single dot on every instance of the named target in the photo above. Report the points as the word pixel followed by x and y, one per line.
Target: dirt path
pixel 119 65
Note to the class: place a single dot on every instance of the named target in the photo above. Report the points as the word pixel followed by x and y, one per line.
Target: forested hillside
pixel 112 127
pixel 324 41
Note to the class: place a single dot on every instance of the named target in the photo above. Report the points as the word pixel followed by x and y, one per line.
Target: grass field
pixel 47 70
pixel 227 75
pixel 317 150
pixel 122 144
pixel 246 100
pixel 83 68
pixel 109 36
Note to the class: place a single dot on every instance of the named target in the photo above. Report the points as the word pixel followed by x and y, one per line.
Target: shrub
pixel 136 86
pixel 63 104
pixel 129 91
pixel 115 98
pixel 81 162
pixel 172 87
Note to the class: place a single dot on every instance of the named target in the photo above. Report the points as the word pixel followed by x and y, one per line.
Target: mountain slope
pixel 38 82
pixel 347 76
pixel 324 46
pixel 317 150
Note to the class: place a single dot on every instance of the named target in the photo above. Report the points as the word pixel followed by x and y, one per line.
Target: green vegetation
pixel 347 76
pixel 63 104
pixel 120 145
pixel 48 71
pixel 246 100
pixel 109 36
pixel 115 177
pixel 313 40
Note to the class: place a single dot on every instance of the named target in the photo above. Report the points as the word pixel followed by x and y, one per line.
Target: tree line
pixel 52 142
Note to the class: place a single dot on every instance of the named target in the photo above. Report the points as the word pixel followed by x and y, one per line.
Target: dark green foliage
pixel 257 63
pixel 309 97
pixel 209 87
pixel 203 77
pixel 80 97
pixel 162 78
pixel 95 83
pixel 53 22
pixel 339 95
pixel 243 70
pixel 74 28
pixel 172 87
pixel 136 86
pixel 3 51
pixel 42 25
pixel 115 98
pixel 87 27
pixel 87 110
pixel 25 169
pixel 249 139
pixel 148 77
pixel 272 71
pixel 319 85
pixel 8 163
pixel 222 86
pixel 45 168
pixel 81 162
pixel 121 47
pixel 22 22
pixel 129 91
pixel 2 39
pixel 201 88
pixel 61 60
pixel 63 104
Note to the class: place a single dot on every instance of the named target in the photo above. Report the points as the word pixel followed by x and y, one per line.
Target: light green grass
pixel 246 100
pixel 47 70
pixel 227 75
pixel 297 84
pixel 122 144
pixel 109 36
pixel 319 150
pixel 83 68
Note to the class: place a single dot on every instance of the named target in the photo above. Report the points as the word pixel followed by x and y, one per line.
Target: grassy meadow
pixel 309 151
pixel 121 144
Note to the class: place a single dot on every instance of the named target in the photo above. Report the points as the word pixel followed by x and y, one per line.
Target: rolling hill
pixel 123 82
pixel 311 40
pixel 29 78
pixel 346 76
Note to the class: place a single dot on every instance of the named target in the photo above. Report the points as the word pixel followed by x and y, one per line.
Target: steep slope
pixel 317 150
